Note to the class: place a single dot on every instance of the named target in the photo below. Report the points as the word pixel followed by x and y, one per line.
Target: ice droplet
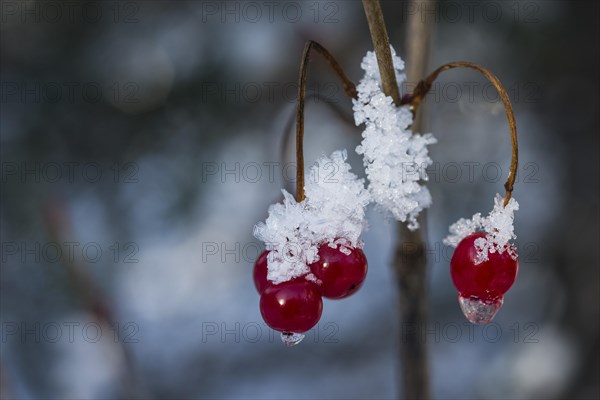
pixel 291 339
pixel 477 311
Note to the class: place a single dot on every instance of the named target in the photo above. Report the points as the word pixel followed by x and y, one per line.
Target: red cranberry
pixel 260 272
pixel 341 274
pixel 294 306
pixel 488 280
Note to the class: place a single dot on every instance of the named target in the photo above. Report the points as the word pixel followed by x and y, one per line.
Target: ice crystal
pixel 395 159
pixel 333 212
pixel 479 312
pixel 498 226
pixel 291 339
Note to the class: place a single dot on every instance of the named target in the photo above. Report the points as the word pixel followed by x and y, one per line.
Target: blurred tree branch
pixel 59 229
pixel 410 261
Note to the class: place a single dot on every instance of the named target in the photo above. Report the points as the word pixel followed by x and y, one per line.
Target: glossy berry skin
pixel 488 280
pixel 260 272
pixel 294 306
pixel 341 274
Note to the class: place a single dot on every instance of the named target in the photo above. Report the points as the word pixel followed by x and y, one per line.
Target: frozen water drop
pixel 291 339
pixel 477 311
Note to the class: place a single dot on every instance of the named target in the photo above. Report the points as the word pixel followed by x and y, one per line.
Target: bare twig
pixel 349 88
pixel 381 43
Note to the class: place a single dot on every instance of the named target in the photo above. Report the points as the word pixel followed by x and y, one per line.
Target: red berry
pixel 488 280
pixel 260 272
pixel 294 306
pixel 341 274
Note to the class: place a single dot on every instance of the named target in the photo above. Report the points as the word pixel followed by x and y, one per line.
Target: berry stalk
pixel 424 86
pixel 349 88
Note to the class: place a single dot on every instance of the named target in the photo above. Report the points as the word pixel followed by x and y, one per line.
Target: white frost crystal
pixel 395 159
pixel 332 212
pixel 498 226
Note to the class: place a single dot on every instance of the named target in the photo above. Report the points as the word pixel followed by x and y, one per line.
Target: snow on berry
pixel 395 159
pixel 332 213
pixel 498 226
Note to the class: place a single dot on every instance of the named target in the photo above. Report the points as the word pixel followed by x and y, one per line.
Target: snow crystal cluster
pixel 333 212
pixel 498 226
pixel 395 159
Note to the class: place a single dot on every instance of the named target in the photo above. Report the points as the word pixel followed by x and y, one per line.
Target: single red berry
pixel 260 272
pixel 341 274
pixel 488 280
pixel 294 306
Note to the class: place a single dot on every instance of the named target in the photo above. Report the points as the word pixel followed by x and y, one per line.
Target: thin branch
pixel 381 43
pixel 300 124
pixel 424 86
pixel 418 39
pixel 291 119
pixel 349 88
pixel 410 261
pixel 59 227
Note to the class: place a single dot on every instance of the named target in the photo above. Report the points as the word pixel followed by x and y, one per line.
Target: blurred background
pixel 142 140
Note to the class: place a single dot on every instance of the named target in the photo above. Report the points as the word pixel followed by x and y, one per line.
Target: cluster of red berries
pixel 482 282
pixel 295 306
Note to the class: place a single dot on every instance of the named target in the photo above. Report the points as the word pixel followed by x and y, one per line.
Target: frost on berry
pixel 498 226
pixel 482 247
pixel 345 250
pixel 333 212
pixel 395 159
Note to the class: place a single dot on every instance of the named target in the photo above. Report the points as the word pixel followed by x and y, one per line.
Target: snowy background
pixel 148 137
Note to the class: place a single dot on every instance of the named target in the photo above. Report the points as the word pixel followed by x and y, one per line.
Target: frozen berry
pixel 260 272
pixel 294 306
pixel 341 274
pixel 487 280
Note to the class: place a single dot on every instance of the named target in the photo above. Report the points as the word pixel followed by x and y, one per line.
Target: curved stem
pixel 425 85
pixel 328 102
pixel 349 88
